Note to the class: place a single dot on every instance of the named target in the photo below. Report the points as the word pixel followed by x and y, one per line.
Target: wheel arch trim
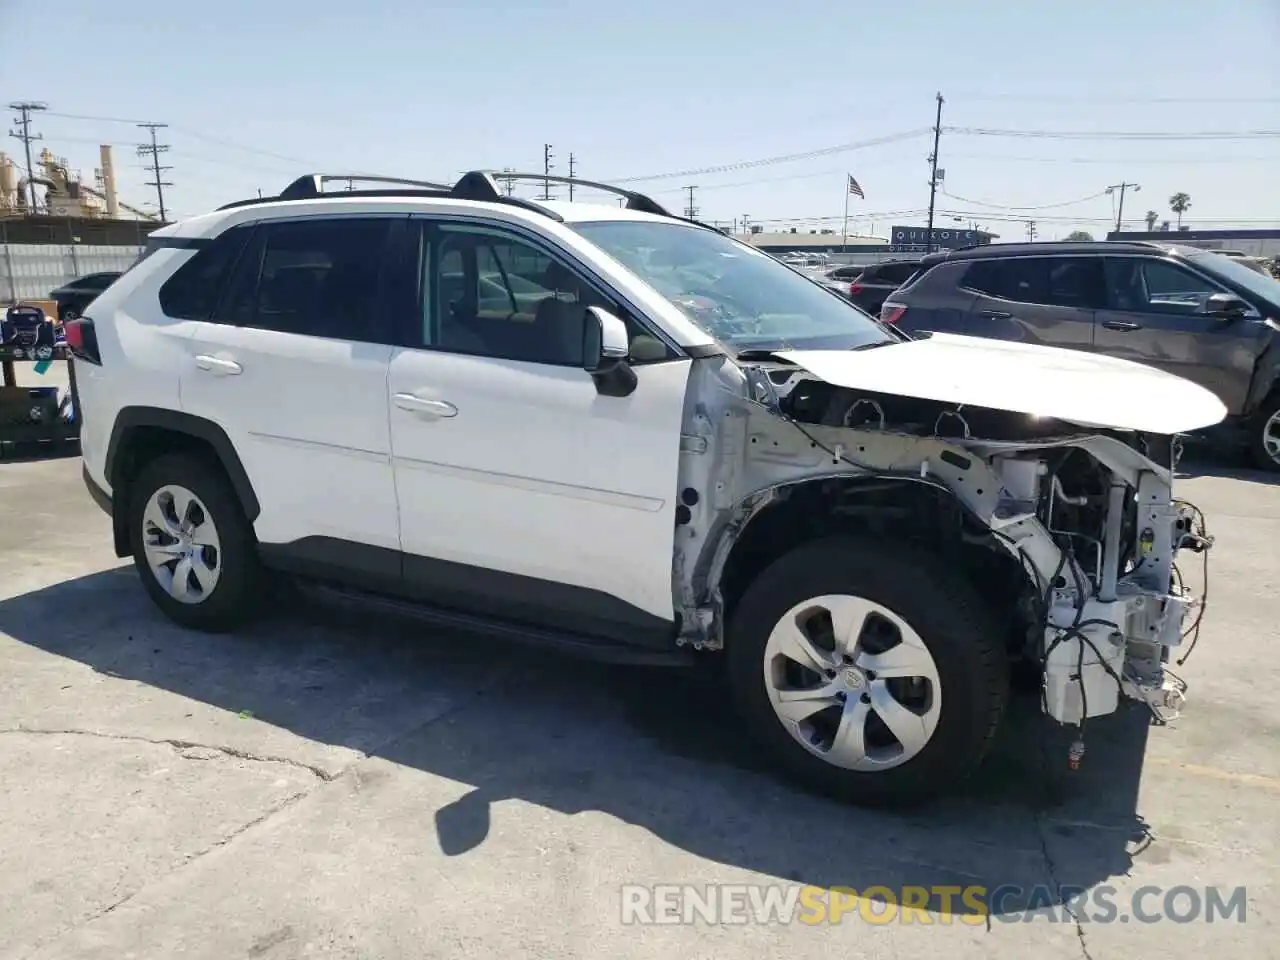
pixel 131 419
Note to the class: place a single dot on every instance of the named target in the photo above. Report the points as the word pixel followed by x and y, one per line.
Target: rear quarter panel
pixel 936 303
pixel 141 356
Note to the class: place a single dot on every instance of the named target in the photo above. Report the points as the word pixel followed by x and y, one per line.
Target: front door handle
pixel 995 314
pixel 1122 325
pixel 218 366
pixel 433 409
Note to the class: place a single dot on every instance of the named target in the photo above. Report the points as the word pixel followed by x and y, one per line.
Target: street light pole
pixel 1122 187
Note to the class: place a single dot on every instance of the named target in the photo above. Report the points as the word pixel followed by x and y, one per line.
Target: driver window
pixel 1149 285
pixel 491 294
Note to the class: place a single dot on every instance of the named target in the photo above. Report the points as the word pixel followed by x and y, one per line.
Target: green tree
pixel 1151 219
pixel 1180 203
pixel 1079 235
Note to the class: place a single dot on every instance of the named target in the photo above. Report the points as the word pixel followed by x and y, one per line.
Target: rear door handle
pixel 218 366
pixel 995 314
pixel 1122 325
pixel 432 409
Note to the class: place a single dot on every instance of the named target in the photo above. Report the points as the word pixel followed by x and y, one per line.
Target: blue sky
pixel 257 93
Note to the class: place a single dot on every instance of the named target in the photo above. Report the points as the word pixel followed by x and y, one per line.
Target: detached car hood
pixel 1084 388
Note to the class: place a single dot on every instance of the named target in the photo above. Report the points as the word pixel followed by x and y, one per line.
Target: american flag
pixel 855 189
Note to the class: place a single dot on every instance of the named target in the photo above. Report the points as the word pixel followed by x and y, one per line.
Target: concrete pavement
pixel 326 784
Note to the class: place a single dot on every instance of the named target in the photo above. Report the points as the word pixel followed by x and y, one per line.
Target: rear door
pixel 1155 315
pixel 1051 301
pixel 293 366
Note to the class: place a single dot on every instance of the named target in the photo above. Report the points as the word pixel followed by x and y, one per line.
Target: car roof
pixel 988 251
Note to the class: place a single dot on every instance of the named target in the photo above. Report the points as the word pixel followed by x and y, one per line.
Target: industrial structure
pixel 55 227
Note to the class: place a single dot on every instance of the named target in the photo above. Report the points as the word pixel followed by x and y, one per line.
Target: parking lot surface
pixel 332 784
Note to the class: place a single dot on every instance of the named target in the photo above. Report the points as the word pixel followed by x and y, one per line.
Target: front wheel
pixel 871 673
pixel 1264 435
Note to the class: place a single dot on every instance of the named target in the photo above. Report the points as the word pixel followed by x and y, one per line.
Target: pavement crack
pixel 177 744
pixel 1039 817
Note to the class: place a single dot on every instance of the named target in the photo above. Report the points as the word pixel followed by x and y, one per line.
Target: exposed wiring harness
pixel 1200 533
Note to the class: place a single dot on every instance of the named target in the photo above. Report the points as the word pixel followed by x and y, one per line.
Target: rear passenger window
pixel 1024 279
pixel 898 273
pixel 192 292
pixel 317 278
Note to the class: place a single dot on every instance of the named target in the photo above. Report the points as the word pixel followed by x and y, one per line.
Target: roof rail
pixel 312 185
pixel 635 201
pixel 475 185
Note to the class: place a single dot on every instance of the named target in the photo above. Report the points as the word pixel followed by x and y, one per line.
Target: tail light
pixel 855 288
pixel 892 312
pixel 82 341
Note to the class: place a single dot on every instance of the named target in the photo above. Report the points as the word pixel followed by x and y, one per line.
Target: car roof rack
pixel 476 185
pixel 635 201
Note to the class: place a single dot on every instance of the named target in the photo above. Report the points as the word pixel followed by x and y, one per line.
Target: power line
pixel 24 109
pixel 1116 134
pixel 1044 206
pixel 1005 158
pixel 787 158
pixel 153 150
pixel 1107 98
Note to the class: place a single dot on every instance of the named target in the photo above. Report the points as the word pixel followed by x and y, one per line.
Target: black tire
pixel 955 624
pixel 236 596
pixel 1257 434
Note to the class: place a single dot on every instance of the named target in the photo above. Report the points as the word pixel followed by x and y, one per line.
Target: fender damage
pixel 1085 512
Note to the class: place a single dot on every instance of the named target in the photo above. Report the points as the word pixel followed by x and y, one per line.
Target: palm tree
pixel 1180 203
pixel 1151 219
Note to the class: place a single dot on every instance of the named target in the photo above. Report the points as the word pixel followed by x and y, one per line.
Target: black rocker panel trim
pixel 489 594
pixel 175 421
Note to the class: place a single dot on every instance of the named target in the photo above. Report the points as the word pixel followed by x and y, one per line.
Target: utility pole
pixel 572 167
pixel 153 150
pixel 24 109
pixel 691 211
pixel 933 176
pixel 745 227
pixel 1031 230
pixel 510 184
pixel 546 171
pixel 1122 187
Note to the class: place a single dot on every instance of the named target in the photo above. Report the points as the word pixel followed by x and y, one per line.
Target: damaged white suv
pixel 613 431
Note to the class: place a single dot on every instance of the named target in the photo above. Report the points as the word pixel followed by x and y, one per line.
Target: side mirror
pixel 1225 306
pixel 605 349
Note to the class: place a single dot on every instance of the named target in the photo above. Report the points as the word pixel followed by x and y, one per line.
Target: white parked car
pixel 621 433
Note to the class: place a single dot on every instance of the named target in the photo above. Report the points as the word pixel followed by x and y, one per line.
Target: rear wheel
pixel 192 545
pixel 1264 434
pixel 870 673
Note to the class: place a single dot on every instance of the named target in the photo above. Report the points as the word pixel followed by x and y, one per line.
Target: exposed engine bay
pixel 1071 530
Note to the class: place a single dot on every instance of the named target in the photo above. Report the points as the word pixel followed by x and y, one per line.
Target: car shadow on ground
pixel 656 748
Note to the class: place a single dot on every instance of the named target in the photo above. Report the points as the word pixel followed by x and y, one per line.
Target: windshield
pixel 739 295
pixel 1265 287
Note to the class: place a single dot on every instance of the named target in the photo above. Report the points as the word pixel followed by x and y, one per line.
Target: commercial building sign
pixel 916 239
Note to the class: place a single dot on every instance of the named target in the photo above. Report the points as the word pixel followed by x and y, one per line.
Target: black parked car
pixel 872 286
pixel 1197 314
pixel 73 297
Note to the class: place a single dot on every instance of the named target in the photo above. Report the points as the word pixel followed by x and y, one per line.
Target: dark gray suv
pixel 1193 313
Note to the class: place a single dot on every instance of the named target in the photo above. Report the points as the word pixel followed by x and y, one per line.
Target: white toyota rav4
pixel 614 431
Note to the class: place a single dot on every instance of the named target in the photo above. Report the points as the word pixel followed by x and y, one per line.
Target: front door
pixel 293 365
pixel 1155 315
pixel 524 492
